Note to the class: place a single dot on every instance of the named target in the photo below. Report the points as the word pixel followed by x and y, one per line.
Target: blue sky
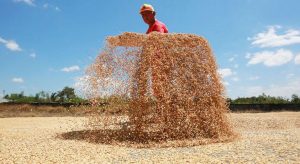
pixel 47 44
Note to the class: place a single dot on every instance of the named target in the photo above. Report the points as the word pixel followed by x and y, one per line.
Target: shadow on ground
pixel 108 136
pixel 130 138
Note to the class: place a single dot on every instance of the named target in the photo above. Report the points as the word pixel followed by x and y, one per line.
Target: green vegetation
pixel 114 104
pixel 266 99
pixel 66 95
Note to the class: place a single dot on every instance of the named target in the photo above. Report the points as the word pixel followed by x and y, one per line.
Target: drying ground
pixel 264 138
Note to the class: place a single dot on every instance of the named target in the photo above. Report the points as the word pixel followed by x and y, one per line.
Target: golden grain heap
pixel 165 83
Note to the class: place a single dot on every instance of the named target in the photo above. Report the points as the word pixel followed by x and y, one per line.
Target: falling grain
pixel 166 83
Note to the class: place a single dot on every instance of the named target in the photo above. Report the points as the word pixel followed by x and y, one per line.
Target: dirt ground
pixel 264 138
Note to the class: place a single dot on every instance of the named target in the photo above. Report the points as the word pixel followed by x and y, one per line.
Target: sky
pixel 46 45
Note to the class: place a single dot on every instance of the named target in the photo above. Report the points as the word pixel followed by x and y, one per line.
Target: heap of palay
pixel 167 83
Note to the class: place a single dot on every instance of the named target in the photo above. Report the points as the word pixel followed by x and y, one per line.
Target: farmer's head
pixel 148 13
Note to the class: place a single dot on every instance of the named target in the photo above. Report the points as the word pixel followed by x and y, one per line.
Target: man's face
pixel 148 17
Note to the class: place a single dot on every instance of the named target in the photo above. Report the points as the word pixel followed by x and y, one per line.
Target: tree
pixel 14 97
pixel 6 97
pixel 37 97
pixel 261 99
pixel 42 96
pixel 53 97
pixel 21 95
pixel 295 99
pixel 66 95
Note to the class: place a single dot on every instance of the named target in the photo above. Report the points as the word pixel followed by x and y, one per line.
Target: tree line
pixel 66 95
pixel 265 99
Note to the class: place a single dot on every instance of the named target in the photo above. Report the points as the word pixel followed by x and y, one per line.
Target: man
pixel 148 13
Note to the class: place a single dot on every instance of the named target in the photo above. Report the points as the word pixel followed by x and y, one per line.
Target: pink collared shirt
pixel 157 26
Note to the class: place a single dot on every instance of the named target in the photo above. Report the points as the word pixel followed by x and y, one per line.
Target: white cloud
pixel 282 90
pixel 2 40
pixel 57 8
pixel 254 78
pixel 28 2
pixel 225 72
pixel 297 59
pixel 290 75
pixel 225 83
pixel 17 80
pixel 46 5
pixel 33 55
pixel 231 59
pixel 270 38
pixel 271 58
pixel 248 56
pixel 235 79
pixel 49 6
pixel 71 68
pixel 10 44
pixel 254 91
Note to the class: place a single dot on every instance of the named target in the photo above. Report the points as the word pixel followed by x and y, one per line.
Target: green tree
pixel 36 97
pixel 66 95
pixel 295 99
pixel 53 97
pixel 42 96
pixel 261 99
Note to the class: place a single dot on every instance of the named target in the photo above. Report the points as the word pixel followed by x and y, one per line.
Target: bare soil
pixel 264 138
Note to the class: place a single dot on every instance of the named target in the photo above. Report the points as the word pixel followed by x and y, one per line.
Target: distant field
pixel 264 138
pixel 27 110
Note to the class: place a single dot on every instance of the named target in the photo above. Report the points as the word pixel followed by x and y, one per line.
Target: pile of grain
pixel 166 83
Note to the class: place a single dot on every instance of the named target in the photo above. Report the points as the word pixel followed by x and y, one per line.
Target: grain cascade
pixel 166 83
